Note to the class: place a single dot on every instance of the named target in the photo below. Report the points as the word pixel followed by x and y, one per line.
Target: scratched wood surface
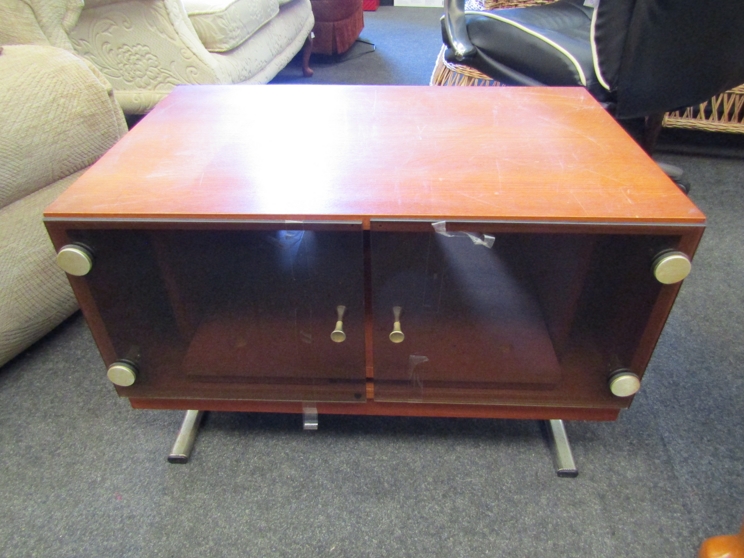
pixel 339 152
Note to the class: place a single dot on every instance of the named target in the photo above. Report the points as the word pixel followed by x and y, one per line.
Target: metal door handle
pixel 338 334
pixel 396 336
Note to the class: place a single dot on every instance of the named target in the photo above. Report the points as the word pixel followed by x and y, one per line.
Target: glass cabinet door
pixel 505 317
pixel 234 313
pixel 468 317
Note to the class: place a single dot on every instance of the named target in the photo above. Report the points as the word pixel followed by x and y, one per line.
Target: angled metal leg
pixel 562 456
pixel 186 436
pixel 309 417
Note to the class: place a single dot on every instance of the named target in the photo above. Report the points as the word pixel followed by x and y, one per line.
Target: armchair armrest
pixel 58 117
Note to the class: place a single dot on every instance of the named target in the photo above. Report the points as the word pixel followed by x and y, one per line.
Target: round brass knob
pixel 122 374
pixel 338 335
pixel 624 383
pixel 75 259
pixel 396 336
pixel 671 267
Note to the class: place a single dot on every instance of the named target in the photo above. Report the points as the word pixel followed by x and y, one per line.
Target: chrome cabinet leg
pixel 186 436
pixel 309 417
pixel 562 456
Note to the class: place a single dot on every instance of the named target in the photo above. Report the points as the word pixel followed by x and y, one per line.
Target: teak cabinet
pixel 407 298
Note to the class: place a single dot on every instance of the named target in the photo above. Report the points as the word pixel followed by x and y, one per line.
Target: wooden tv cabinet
pixel 433 251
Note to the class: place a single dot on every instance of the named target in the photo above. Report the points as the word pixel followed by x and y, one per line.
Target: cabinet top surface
pixel 314 152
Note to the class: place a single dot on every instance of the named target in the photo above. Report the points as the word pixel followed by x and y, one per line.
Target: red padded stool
pixel 337 25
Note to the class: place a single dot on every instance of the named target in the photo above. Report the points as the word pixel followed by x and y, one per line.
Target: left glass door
pixel 233 314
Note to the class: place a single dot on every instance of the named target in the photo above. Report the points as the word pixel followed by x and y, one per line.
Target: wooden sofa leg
pixel 307 50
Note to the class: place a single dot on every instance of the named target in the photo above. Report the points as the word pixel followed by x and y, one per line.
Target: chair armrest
pixel 455 29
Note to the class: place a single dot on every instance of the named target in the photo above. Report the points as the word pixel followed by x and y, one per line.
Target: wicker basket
pixel 447 73
pixel 722 113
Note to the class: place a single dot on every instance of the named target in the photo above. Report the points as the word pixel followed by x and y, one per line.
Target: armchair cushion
pixel 25 29
pixel 35 295
pixel 58 117
pixel 223 25
pixel 39 22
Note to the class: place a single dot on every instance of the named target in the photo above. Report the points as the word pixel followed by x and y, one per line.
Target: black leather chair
pixel 640 58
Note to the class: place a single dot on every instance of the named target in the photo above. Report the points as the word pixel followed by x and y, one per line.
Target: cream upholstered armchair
pixel 147 47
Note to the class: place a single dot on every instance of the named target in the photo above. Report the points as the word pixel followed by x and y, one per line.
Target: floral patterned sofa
pixel 146 47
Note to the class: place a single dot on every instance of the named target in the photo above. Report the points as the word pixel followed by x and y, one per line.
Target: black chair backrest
pixel 659 55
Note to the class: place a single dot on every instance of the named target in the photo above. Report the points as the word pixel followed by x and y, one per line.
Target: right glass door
pixel 507 317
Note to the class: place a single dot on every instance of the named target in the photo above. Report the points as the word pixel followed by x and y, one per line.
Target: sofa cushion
pixel 223 25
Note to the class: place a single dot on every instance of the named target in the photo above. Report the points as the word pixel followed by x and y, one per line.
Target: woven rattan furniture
pixel 721 113
pixel 450 73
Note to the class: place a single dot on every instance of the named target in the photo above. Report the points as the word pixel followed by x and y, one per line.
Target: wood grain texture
pixel 363 152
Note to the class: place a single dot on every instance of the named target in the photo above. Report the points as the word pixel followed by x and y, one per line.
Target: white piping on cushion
pixel 595 58
pixel 529 31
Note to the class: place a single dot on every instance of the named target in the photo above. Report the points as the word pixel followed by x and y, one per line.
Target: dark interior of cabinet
pixel 234 313
pixel 494 318
pixel 534 318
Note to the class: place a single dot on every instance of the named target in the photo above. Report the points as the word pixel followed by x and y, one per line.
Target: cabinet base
pixel 375 408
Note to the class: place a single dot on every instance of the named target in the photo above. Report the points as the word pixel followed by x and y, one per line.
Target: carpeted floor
pixel 82 474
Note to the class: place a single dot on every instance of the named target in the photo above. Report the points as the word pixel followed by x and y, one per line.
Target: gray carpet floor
pixel 82 474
